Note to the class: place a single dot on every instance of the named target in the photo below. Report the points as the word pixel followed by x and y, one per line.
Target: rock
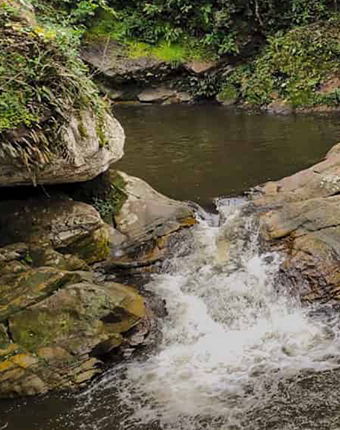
pixel 330 85
pixel 88 153
pixel 19 291
pixel 112 62
pixel 300 217
pixel 24 11
pixel 156 95
pixel 200 67
pixel 57 341
pixel 144 224
pixel 279 107
pixel 164 95
pixel 64 225
pixel 320 180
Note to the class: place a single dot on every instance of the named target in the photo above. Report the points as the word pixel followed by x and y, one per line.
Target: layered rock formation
pixel 147 78
pixel 299 217
pixel 60 320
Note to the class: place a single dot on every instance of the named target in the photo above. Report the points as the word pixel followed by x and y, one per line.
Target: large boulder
pixel 145 223
pixel 88 153
pixel 58 327
pixel 142 221
pixel 300 217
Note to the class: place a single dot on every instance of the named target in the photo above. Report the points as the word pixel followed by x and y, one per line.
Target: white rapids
pixel 230 337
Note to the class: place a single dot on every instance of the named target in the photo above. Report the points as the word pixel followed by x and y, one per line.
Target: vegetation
pixel 298 38
pixel 42 83
pixel 292 67
pixel 220 26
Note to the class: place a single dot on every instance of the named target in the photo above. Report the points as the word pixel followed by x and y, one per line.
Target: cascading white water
pixel 230 337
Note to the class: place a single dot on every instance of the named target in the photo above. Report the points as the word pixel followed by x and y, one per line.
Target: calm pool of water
pixel 201 152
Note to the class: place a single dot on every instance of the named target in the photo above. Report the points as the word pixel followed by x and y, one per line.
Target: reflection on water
pixel 200 152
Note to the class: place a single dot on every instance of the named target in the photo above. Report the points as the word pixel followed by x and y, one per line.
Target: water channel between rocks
pixel 238 352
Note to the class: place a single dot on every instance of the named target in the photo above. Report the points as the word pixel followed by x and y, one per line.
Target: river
pixel 237 351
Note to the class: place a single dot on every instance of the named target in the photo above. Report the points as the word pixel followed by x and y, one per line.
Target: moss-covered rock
pixel 19 291
pixel 58 342
pixel 54 127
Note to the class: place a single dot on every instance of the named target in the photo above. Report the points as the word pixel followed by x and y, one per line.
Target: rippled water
pixel 238 351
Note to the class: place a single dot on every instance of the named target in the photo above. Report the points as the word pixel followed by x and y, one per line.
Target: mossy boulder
pixel 54 126
pixel 57 341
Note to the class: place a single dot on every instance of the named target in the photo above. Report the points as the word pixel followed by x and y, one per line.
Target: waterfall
pixel 231 338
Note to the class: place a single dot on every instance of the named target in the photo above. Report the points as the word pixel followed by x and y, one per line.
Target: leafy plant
pixel 292 66
pixel 42 83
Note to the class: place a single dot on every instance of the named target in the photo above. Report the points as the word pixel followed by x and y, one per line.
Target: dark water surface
pixel 200 152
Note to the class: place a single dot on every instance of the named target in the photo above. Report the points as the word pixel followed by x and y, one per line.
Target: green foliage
pixel 111 198
pixel 292 66
pixel 202 87
pixel 228 93
pixel 69 12
pixel 106 25
pixel 223 26
pixel 42 82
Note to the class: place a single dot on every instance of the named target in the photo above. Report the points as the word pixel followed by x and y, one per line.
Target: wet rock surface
pixel 145 224
pixel 62 319
pixel 300 217
pixel 58 341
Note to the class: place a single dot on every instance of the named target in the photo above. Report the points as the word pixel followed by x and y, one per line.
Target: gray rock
pixel 156 95
pixel 145 223
pixel 279 107
pixel 88 153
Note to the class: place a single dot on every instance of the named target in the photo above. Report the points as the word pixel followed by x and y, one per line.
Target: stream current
pixel 238 351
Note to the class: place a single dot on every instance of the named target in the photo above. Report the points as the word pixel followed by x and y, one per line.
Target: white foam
pixel 228 333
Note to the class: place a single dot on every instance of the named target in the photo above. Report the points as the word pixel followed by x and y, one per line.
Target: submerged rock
pixel 300 217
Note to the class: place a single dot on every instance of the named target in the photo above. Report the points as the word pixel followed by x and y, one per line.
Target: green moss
pixel 111 201
pixel 105 25
pixel 82 129
pixel 100 130
pixel 33 330
pixel 93 248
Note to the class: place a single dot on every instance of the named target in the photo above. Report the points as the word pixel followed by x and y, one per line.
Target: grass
pixel 106 25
